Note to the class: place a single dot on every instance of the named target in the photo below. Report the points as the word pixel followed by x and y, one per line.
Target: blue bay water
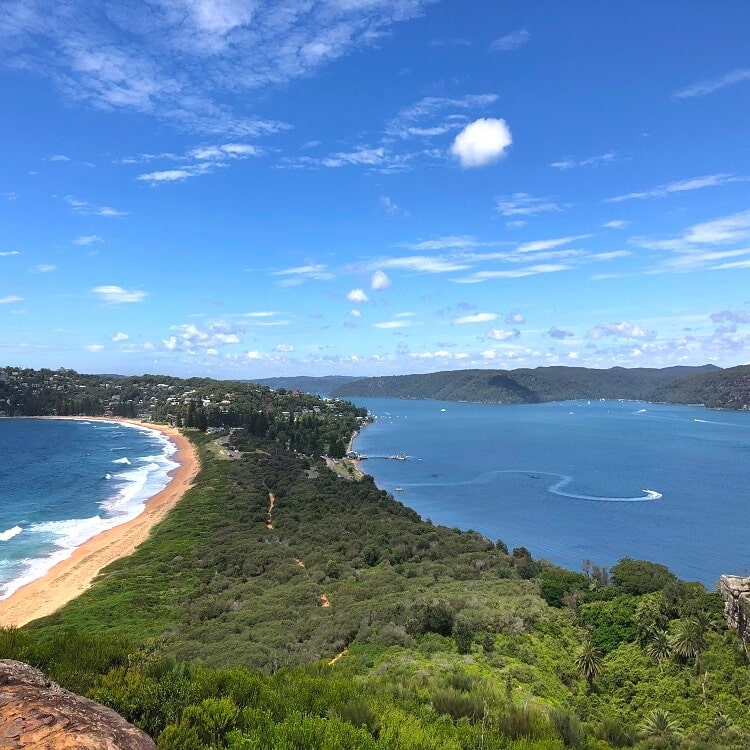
pixel 567 480
pixel 64 481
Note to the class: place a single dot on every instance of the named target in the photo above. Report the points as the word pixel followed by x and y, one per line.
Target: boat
pixel 399 489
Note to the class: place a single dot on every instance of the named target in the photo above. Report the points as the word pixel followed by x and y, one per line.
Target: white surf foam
pixel 121 461
pixel 132 489
pixel 10 533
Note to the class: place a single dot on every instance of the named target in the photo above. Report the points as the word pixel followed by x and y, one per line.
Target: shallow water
pixel 576 480
pixel 64 481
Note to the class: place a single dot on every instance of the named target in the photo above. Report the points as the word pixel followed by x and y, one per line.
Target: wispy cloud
pixel 538 245
pixel 398 323
pixel 523 204
pixel 423 264
pixel 116 295
pixel 513 273
pixel 679 186
pixel 711 85
pixel 559 333
pixel 121 60
pixel 10 299
pixel 88 239
pixel 120 336
pixel 615 224
pixel 58 157
pixel 85 207
pixel 44 268
pixel 9 253
pixel 300 274
pixel 603 160
pixel 482 317
pixel 510 42
pixel 500 334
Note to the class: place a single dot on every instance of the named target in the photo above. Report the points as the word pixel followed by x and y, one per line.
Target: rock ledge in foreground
pixel 37 713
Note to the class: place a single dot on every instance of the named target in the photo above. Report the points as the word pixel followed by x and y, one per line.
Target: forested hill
pixel 320 386
pixel 706 384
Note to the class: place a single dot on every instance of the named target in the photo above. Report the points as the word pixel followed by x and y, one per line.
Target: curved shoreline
pixel 71 577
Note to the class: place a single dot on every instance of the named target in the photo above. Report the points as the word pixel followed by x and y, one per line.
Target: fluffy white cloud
pixel 622 330
pixel 559 333
pixel 498 334
pixel 355 313
pixel 120 337
pixel 379 281
pixel 482 142
pixel 475 318
pixel 357 295
pixel 116 295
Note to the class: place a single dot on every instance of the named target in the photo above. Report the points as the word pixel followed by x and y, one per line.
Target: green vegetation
pixel 214 634
pixel 729 389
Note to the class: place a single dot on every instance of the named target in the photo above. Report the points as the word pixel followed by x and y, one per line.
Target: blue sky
pixel 247 188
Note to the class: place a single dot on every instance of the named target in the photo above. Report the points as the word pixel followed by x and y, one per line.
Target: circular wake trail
pixel 556 488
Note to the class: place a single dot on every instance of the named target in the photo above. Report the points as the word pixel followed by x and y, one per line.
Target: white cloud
pixel 94 347
pixel 615 224
pixel 538 245
pixel 680 186
pixel 120 337
pixel 379 281
pixel 355 313
pixel 357 295
pixel 85 207
pixel 260 314
pixel 44 268
pixel 622 330
pixel 390 206
pixel 559 333
pixel 523 204
pixel 10 299
pixel 475 318
pixel 116 295
pixel 511 41
pixel 400 323
pixel 602 160
pixel 284 348
pixel 498 334
pixel 711 85
pixel 444 243
pixel 516 317
pixel 423 264
pixel 418 120
pixel 513 273
pixel 9 253
pixel 300 274
pixel 482 142
pixel 88 239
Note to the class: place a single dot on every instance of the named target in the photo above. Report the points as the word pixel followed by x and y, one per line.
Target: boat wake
pixel 556 488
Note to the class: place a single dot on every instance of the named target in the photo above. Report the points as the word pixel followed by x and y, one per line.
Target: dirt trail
pixel 324 601
pixel 299 562
pixel 271 503
pixel 338 656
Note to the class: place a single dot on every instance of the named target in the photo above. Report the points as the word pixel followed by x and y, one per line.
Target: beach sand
pixel 73 576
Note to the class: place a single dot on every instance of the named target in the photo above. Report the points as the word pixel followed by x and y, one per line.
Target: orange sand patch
pixel 73 576
pixel 324 601
pixel 338 656
pixel 271 503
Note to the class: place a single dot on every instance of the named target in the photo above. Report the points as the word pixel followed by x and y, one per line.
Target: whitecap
pixel 121 461
pixel 10 533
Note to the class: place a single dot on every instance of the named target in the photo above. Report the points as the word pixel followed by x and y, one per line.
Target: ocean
pixel 64 481
pixel 575 481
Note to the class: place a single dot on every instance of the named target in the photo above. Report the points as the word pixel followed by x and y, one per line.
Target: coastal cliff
pixel 37 713
pixel 736 593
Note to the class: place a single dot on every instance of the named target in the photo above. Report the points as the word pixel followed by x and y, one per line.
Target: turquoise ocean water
pixel 576 480
pixel 63 481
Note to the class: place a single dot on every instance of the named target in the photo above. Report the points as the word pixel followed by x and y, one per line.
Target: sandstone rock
pixel 37 713
pixel 736 593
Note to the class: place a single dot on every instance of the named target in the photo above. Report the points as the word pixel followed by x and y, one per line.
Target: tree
pixel 640 576
pixel 659 647
pixel 589 662
pixel 658 726
pixel 689 640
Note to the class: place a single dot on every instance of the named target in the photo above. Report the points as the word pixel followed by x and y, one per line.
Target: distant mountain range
pixel 707 384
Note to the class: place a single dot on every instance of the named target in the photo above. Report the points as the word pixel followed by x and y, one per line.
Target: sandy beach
pixel 73 576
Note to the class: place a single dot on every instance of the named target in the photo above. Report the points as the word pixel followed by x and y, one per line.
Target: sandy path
pixel 73 576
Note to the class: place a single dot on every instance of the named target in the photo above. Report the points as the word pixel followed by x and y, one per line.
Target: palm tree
pixel 658 726
pixel 589 662
pixel 689 640
pixel 659 647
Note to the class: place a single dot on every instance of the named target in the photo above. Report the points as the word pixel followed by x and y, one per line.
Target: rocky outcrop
pixel 37 713
pixel 736 593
